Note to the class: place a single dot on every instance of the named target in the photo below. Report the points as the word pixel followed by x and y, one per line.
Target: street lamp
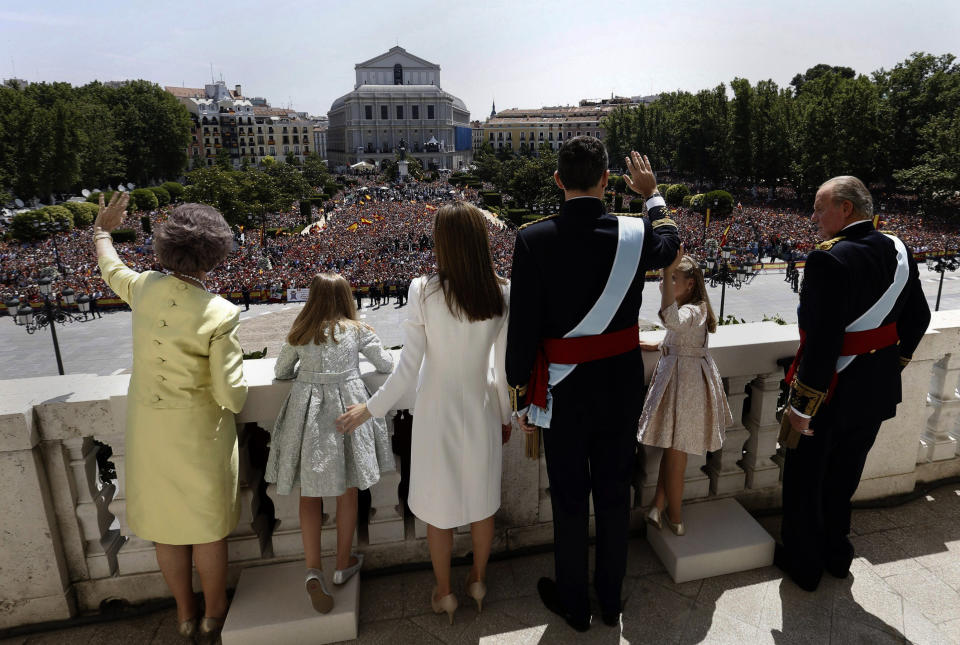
pixel 720 271
pixel 51 313
pixel 54 227
pixel 946 262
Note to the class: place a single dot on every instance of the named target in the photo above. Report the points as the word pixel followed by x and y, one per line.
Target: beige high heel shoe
pixel 188 628
pixel 678 529
pixel 653 517
pixel 476 590
pixel 210 629
pixel 446 604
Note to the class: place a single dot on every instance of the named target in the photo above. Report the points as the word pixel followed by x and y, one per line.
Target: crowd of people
pixel 378 237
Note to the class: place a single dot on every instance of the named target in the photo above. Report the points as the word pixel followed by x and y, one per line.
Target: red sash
pixel 854 344
pixel 573 351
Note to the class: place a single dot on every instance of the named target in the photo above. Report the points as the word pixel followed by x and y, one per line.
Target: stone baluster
pixel 724 466
pixel 763 428
pixel 939 439
pixel 386 513
pixel 101 536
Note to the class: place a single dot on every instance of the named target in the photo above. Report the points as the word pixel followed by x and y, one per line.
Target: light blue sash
pixel 874 316
pixel 625 264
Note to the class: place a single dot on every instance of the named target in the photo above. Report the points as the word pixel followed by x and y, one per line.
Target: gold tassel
pixel 532 444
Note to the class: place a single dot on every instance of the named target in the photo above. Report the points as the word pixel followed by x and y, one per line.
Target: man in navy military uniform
pixel 862 314
pixel 561 266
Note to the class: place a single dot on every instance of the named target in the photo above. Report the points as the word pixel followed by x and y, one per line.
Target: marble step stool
pixel 722 537
pixel 270 605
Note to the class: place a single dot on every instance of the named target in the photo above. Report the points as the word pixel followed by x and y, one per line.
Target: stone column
pixel 101 542
pixel 763 428
pixel 724 466
pixel 939 439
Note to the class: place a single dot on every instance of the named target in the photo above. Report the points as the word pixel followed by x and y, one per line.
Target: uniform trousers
pixel 820 477
pixel 590 448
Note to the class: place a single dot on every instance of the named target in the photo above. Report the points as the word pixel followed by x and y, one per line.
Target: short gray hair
pixel 849 188
pixel 194 238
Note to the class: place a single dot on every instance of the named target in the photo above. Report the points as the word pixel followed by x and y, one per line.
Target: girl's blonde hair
pixel 329 304
pixel 690 268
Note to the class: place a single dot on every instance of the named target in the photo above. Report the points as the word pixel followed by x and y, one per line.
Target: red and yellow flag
pixel 723 240
pixel 431 208
pixel 352 227
pixel 365 220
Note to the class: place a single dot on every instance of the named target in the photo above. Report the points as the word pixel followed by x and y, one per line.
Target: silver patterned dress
pixel 305 448
pixel 686 407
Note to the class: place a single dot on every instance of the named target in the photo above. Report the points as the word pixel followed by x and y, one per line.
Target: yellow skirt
pixel 181 473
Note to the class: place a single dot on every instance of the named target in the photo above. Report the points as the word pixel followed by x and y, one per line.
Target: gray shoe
pixel 340 576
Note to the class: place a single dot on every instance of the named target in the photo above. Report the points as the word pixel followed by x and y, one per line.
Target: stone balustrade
pixel 66 547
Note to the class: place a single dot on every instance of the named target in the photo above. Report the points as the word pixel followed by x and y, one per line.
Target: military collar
pixel 856 229
pixel 580 207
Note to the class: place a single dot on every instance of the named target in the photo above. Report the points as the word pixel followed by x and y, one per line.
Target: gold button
pixel 157 342
pixel 161 378
pixel 873 351
pixel 173 303
pixel 182 287
pixel 162 323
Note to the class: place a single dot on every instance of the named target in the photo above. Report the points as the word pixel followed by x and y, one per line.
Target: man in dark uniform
pixel 561 265
pixel 246 297
pixel 846 378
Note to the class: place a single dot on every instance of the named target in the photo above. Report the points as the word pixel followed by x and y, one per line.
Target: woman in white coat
pixel 462 411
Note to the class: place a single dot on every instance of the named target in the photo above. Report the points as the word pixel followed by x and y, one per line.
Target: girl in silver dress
pixel 322 354
pixel 686 410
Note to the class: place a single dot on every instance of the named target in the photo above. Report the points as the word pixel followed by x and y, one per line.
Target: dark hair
pixel 465 270
pixel 330 303
pixel 194 239
pixel 581 163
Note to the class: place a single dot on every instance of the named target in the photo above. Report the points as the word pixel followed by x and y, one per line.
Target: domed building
pixel 398 101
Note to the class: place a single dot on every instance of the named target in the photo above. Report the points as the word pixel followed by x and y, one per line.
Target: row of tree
pixel 898 127
pixel 56 138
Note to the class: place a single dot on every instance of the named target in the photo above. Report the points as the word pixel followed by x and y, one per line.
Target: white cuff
pixel 799 414
pixel 656 200
pixel 519 413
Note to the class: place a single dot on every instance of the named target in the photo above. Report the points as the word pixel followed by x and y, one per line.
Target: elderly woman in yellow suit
pixel 187 383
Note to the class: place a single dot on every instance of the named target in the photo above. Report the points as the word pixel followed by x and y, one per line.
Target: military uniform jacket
pixel 560 267
pixel 842 279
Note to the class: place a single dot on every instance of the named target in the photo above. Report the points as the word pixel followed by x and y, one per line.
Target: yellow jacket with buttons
pixel 185 347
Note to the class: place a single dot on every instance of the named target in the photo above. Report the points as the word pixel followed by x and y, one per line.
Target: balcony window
pixel 430 112
pixel 270 130
pixel 368 112
pixel 383 112
pixel 296 150
pixel 261 151
pixel 260 139
pixel 284 129
pixel 286 139
pixel 273 151
pixel 523 136
pixel 286 149
pixel 415 112
pixel 399 112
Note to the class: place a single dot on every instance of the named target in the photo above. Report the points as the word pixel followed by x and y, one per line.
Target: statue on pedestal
pixel 403 148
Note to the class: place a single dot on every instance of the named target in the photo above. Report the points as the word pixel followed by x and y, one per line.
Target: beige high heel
pixel 678 529
pixel 653 517
pixel 476 590
pixel 188 628
pixel 446 604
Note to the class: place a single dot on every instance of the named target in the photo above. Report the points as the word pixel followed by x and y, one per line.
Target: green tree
pixel 315 170
pixel 742 129
pixel 223 160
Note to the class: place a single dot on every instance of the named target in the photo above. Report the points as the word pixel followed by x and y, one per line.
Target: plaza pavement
pixel 904 587
pixel 104 346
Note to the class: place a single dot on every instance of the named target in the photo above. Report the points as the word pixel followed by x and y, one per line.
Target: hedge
pixel 124 235
pixel 145 224
pixel 618 203
pixel 306 212
pixel 686 200
pixel 22 227
pixel 163 196
pixel 723 199
pixel 696 202
pixel 636 206
pixel 517 215
pixel 491 198
pixel 83 213
pixel 663 188
pixel 175 190
pixel 144 200
pixel 675 194
pixel 331 188
pixel 94 198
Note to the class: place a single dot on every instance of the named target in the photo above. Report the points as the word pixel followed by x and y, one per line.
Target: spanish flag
pixel 352 227
pixel 431 208
pixel 365 220
pixel 369 197
pixel 723 240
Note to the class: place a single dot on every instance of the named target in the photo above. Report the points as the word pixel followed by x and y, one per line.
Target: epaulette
pixel 542 219
pixel 826 246
pixel 805 399
pixel 640 215
pixel 665 221
pixel 889 233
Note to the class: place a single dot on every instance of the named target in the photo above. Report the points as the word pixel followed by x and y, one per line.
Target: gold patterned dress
pixel 187 382
pixel 686 407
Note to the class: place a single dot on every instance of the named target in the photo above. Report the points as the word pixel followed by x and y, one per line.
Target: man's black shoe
pixel 807 581
pixel 550 596
pixel 611 618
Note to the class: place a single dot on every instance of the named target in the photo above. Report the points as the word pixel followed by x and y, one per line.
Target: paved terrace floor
pixel 904 587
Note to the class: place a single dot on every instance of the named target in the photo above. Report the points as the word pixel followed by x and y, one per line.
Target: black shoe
pixel 550 596
pixel 807 581
pixel 611 618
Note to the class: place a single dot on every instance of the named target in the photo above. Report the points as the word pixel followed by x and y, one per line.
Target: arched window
pixel 398 74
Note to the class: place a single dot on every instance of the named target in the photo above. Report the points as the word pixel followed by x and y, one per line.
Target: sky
pixel 520 54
